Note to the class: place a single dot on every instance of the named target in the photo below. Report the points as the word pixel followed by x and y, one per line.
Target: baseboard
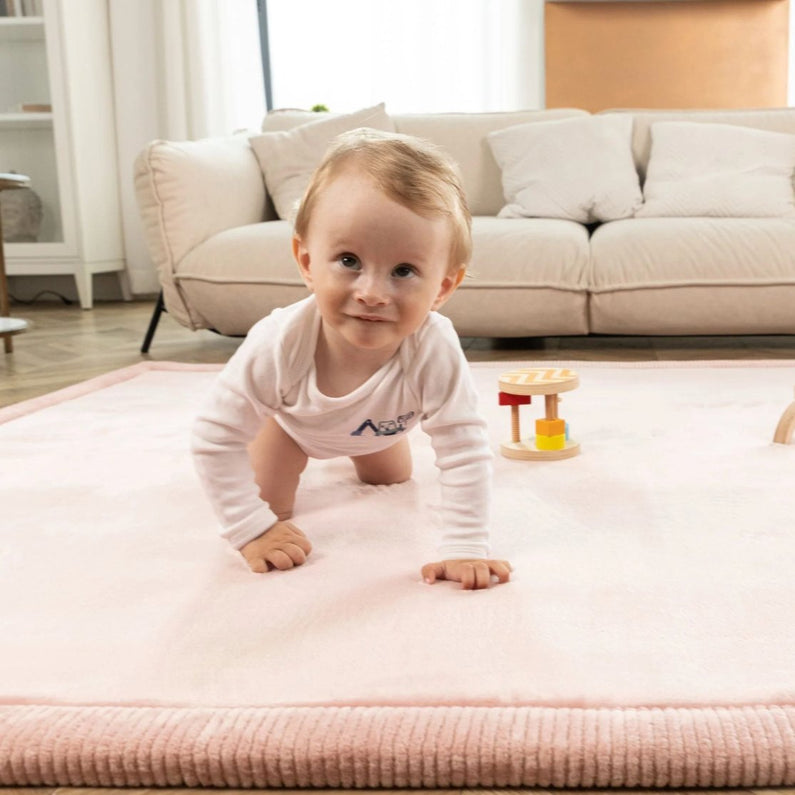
pixel 25 289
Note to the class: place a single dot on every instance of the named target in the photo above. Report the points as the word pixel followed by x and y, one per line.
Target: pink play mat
pixel 645 640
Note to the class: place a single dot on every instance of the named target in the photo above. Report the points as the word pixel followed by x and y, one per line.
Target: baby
pixel 382 239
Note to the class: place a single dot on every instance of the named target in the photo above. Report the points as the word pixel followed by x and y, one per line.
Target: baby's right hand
pixel 282 546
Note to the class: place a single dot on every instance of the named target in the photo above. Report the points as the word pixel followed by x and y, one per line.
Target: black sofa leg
pixel 160 307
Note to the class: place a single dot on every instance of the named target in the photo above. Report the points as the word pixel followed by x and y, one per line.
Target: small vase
pixel 21 214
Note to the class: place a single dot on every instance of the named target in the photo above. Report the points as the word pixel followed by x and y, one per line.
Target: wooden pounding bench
pixel 551 441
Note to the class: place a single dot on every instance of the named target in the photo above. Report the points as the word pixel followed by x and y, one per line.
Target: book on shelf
pixel 31 107
pixel 21 8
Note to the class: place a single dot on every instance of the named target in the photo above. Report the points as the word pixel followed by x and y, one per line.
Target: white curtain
pixel 791 76
pixel 417 55
pixel 208 53
pixel 183 69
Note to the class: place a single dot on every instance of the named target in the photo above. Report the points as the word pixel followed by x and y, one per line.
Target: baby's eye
pixel 349 261
pixel 404 271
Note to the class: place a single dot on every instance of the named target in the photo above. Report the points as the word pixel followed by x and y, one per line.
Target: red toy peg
pixel 506 399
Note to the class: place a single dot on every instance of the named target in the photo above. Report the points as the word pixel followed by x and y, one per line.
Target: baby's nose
pixel 371 290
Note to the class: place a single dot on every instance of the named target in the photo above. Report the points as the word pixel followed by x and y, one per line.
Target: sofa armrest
pixel 188 191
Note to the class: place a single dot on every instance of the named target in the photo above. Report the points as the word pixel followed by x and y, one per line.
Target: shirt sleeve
pixel 459 439
pixel 242 397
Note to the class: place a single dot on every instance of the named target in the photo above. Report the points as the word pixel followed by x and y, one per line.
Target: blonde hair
pixel 410 171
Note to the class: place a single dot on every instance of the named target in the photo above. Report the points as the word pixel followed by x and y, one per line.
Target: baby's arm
pixel 280 547
pixel 464 459
pixel 240 401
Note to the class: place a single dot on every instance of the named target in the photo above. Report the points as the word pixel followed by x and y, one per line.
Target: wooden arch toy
pixel 786 426
pixel 551 441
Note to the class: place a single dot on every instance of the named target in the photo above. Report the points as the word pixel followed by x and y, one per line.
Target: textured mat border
pixel 375 747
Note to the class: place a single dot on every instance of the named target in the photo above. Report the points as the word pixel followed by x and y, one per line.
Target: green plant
pixel 319 109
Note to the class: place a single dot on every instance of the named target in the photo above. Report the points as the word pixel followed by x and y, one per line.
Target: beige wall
pixel 695 54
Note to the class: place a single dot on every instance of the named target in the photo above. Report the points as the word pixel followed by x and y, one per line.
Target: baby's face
pixel 377 268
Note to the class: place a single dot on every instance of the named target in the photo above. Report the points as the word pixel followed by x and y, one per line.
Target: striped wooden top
pixel 538 381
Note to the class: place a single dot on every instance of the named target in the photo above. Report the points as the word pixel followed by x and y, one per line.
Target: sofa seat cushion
pixel 240 275
pixel 693 276
pixel 528 277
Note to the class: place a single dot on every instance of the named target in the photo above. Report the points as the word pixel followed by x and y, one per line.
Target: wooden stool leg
pixel 551 406
pixel 8 343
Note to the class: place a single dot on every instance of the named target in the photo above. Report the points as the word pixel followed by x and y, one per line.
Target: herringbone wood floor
pixel 66 345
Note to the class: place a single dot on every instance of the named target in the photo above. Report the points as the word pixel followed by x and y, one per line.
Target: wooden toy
pixel 786 426
pixel 551 441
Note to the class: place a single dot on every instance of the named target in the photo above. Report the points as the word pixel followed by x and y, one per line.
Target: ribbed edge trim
pixel 17 410
pixel 375 747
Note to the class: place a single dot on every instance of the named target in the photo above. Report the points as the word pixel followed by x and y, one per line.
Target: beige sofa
pixel 224 257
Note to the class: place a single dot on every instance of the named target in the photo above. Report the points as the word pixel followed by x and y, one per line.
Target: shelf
pixel 61 59
pixel 21 28
pixel 25 120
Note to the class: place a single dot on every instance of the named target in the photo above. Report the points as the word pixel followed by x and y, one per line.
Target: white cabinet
pixel 62 59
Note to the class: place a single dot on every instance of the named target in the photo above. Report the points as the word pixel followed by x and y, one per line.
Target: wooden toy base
pixel 527 451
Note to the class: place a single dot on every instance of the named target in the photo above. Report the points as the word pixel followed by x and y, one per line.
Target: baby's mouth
pixel 371 318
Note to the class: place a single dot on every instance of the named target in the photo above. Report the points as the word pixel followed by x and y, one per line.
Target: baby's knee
pixel 385 475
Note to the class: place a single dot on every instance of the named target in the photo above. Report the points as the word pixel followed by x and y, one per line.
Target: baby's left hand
pixel 472 574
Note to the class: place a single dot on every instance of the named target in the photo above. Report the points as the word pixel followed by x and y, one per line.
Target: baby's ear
pixel 449 285
pixel 301 256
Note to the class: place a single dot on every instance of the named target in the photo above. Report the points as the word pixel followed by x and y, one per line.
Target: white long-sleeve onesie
pixel 273 374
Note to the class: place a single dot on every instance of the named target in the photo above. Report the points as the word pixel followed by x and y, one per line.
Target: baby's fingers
pixel 475 576
pixel 432 572
pixel 302 542
pixel 257 565
pixel 279 559
pixel 286 556
pixel 501 569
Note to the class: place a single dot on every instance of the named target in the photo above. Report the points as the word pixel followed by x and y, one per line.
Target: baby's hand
pixel 472 574
pixel 282 546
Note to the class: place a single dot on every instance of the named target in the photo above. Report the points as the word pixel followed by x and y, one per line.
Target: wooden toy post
pixel 786 426
pixel 551 441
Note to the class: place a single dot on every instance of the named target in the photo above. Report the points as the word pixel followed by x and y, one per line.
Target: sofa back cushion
pixel 288 157
pixel 465 137
pixel 772 119
pixel 462 135
pixel 718 170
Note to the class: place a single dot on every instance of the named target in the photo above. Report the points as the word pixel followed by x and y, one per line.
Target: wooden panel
pixel 699 54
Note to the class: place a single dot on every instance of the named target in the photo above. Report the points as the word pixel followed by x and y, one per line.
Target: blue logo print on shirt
pixel 384 427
